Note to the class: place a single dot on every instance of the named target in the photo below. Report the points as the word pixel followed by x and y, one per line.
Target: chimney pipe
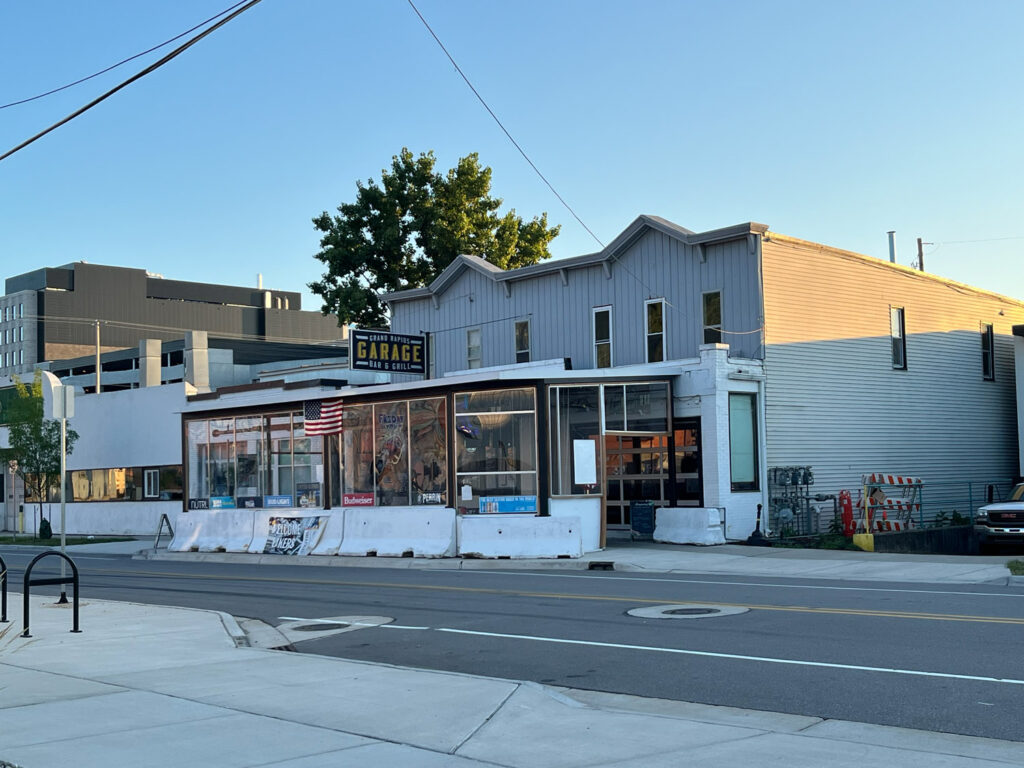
pixel 259 281
pixel 892 246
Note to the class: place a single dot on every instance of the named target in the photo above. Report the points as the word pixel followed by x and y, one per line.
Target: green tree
pixel 403 232
pixel 34 441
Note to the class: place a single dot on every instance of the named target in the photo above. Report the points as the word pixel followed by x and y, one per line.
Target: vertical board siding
pixel 655 266
pixel 833 400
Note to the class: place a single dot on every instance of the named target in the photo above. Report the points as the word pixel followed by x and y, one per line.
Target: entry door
pixel 689 481
pixel 636 469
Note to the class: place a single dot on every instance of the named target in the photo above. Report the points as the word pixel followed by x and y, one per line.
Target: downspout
pixel 762 436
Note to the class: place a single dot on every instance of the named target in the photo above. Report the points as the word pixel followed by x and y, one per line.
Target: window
pixel 603 337
pixel 743 441
pixel 655 330
pixel 151 484
pixel 495 449
pixel 474 352
pixel 21 333
pixel 988 350
pixel 713 317
pixel 898 332
pixel 522 341
pixel 21 310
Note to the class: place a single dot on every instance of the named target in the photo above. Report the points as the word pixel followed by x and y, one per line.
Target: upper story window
pixel 655 330
pixel 602 337
pixel 21 310
pixel 474 348
pixel 988 353
pixel 522 341
pixel 898 332
pixel 712 317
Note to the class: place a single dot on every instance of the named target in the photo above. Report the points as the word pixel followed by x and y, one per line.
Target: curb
pixel 235 632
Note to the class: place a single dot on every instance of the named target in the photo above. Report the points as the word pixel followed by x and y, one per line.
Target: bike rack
pixel 3 591
pixel 164 521
pixel 73 580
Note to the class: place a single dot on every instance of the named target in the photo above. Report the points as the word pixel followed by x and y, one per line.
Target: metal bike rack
pixel 3 591
pixel 73 580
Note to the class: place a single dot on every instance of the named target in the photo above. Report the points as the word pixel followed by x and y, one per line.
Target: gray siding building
pixel 848 364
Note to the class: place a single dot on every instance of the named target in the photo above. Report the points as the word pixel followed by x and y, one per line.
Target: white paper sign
pixel 584 462
pixel 467 493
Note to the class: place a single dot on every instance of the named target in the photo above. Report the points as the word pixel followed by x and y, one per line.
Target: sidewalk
pixel 156 686
pixel 726 559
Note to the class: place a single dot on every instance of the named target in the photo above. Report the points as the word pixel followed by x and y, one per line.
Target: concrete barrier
pixel 587 510
pixel 688 525
pixel 519 536
pixel 187 530
pixel 226 530
pixel 399 532
pixel 330 539
pixel 299 533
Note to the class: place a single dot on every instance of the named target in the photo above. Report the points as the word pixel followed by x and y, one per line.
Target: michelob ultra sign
pixel 382 351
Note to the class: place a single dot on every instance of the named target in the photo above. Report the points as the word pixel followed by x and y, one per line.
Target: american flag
pixel 322 417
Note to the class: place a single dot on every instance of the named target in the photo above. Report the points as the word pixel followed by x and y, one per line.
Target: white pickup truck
pixel 1002 521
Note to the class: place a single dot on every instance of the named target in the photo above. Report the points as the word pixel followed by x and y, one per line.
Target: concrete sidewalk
pixel 726 559
pixel 156 686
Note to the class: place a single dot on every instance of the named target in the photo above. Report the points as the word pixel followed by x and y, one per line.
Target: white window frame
pixel 474 361
pixel 898 365
pixel 529 341
pixel 649 333
pixel 988 352
pixel 705 326
pixel 593 334
pixel 151 483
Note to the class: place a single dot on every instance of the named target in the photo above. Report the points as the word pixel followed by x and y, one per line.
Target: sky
pixel 832 122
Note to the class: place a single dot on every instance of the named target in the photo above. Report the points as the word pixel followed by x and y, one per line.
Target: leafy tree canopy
pixel 34 441
pixel 403 232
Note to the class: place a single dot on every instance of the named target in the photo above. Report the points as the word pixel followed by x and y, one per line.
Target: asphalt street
pixel 933 657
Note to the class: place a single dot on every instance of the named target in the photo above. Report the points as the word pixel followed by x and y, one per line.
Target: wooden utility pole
pixel 920 254
pixel 97 357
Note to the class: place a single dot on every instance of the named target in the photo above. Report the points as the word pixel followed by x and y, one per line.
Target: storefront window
pixel 279 479
pixel 428 430
pixel 357 456
pixel 198 459
pixel 743 459
pixel 575 415
pixel 308 458
pixel 496 446
pixel 248 438
pixel 391 459
pixel 222 460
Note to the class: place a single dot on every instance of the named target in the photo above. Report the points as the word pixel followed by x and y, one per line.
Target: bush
pixel 45 531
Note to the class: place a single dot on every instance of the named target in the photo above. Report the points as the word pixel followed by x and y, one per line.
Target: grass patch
pixel 54 541
pixel 823 541
pixel 1016 567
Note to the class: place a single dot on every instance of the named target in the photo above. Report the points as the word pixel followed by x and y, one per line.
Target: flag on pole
pixel 322 417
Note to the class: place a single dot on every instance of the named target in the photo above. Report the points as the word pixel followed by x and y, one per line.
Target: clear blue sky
pixel 830 122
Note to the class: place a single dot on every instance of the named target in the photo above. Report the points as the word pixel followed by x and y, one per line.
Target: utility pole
pixel 97 346
pixel 920 255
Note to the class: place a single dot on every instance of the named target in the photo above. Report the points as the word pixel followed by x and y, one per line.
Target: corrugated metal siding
pixel 833 400
pixel 655 266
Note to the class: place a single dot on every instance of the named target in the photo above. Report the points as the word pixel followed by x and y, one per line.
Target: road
pixel 935 657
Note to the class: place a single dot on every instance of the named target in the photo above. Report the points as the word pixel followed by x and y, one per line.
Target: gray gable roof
pixel 639 227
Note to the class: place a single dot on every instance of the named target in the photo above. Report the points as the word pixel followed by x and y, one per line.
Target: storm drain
pixel 320 627
pixel 686 611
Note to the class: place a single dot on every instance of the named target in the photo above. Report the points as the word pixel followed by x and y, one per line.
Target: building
pixel 81 309
pixel 736 369
pixel 782 353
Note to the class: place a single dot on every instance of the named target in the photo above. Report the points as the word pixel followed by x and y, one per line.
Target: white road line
pixel 769 660
pixel 349 623
pixel 754 584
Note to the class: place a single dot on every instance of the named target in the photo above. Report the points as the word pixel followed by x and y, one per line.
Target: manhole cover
pixel 322 626
pixel 691 611
pixel 685 611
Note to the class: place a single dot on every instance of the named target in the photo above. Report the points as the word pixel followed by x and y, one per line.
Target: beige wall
pixel 816 293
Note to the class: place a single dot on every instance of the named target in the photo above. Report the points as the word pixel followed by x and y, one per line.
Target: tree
pixel 34 440
pixel 403 232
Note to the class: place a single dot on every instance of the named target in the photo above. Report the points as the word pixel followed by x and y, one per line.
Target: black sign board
pixel 641 519
pixel 198 503
pixel 382 351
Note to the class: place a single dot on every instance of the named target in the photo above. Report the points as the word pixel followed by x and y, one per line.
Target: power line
pixel 123 61
pixel 156 65
pixel 505 130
